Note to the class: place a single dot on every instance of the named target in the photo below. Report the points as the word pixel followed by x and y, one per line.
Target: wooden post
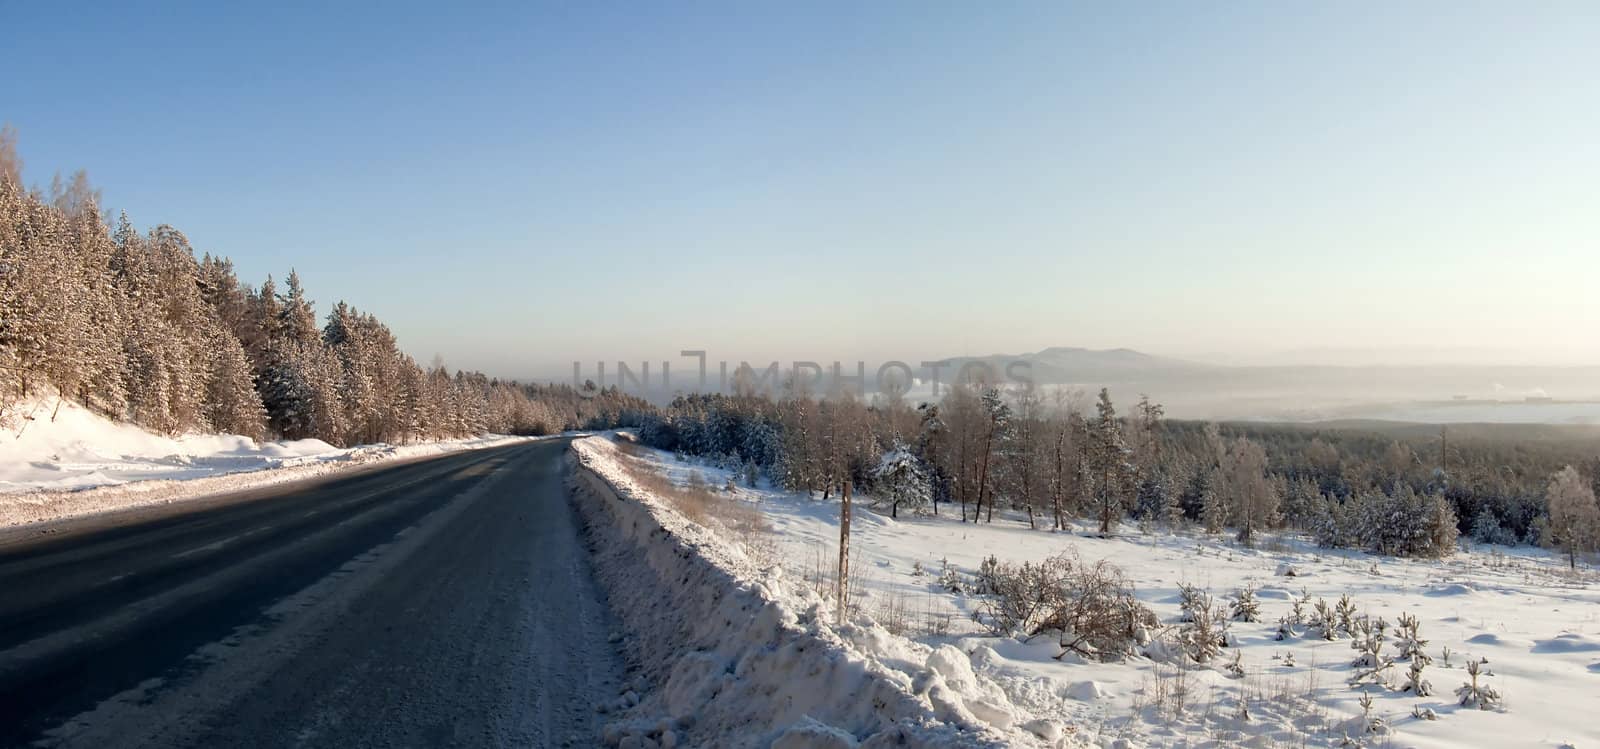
pixel 842 593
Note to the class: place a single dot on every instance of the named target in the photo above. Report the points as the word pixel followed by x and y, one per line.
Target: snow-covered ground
pixel 67 461
pixel 1537 626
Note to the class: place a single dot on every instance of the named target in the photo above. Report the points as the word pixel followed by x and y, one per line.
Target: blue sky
pixel 518 186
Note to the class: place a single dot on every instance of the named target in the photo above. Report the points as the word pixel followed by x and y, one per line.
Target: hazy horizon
pixel 520 188
pixel 1369 357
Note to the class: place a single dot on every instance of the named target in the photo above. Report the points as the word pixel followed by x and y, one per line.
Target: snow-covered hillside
pixel 58 459
pixel 1534 625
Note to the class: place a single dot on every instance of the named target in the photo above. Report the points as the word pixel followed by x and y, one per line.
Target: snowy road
pixel 445 602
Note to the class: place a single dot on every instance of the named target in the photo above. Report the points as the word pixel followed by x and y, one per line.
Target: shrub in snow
pixel 1090 606
pixel 1017 598
pixel 1424 713
pixel 1474 693
pixel 1245 607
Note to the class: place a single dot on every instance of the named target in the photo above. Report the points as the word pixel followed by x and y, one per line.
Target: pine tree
pixel 37 326
pixel 297 319
pixel 1216 505
pixel 267 312
pixel 1110 473
pixel 232 404
pixel 299 391
pixel 101 358
pixel 899 480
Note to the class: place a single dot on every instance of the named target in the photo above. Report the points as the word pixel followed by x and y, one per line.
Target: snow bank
pixel 60 460
pixel 730 654
pixel 59 445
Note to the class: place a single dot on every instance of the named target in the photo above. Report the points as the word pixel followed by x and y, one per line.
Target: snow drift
pixel 728 654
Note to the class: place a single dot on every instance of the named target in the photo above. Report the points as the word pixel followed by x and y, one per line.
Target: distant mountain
pixel 1070 364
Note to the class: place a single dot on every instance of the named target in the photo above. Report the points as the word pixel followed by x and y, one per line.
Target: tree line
pixel 1052 457
pixel 132 326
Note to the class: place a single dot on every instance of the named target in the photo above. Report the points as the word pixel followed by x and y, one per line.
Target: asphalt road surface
pixel 444 602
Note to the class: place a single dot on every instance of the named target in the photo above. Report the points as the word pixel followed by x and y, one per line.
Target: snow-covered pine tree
pixel 184 324
pixel 1206 632
pixel 1191 598
pixel 359 395
pixel 148 351
pixel 1415 684
pixel 899 480
pixel 101 387
pixel 287 394
pixel 267 313
pixel 1408 640
pixel 1487 529
pixel 34 313
pixel 1245 607
pixel 1331 529
pixel 1302 503
pixel 296 316
pixel 1215 494
pixel 231 403
pixel 1477 693
pixel 1110 475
